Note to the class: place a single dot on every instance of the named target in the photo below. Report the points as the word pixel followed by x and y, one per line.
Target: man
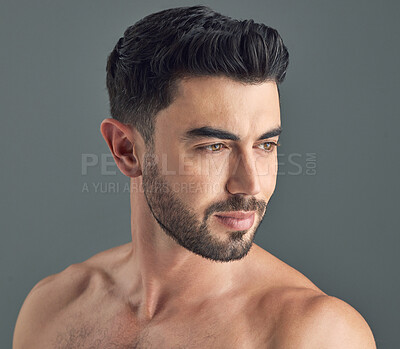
pixel 196 122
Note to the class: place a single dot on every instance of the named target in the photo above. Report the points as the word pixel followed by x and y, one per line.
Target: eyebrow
pixel 211 132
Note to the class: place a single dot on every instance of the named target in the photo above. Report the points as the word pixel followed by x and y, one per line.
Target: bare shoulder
pixel 322 321
pixel 309 318
pixel 44 303
pixel 306 317
pixel 52 298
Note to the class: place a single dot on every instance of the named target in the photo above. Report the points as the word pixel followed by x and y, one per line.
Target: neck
pixel 165 273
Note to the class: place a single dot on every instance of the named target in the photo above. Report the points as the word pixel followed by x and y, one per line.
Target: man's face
pixel 196 172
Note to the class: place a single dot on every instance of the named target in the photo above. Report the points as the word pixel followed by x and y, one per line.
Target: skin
pixel 186 280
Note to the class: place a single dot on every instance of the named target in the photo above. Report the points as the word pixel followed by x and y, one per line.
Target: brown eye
pixel 268 146
pixel 214 147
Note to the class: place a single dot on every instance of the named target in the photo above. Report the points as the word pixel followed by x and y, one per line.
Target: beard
pixel 180 222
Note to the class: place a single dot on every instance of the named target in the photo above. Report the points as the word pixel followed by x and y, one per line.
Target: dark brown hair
pixel 154 53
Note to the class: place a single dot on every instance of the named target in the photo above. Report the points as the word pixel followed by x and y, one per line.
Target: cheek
pixel 266 166
pixel 195 178
pixel 202 166
pixel 267 170
pixel 215 167
pixel 198 190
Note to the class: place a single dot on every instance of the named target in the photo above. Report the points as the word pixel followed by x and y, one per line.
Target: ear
pixel 121 140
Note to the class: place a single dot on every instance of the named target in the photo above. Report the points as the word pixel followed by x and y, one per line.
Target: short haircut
pixel 147 62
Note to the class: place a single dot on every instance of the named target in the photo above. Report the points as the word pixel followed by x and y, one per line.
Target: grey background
pixel 340 101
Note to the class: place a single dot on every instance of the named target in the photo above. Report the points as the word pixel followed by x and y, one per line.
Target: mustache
pixel 237 203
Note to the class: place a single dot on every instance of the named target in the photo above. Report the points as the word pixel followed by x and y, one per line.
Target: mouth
pixel 236 220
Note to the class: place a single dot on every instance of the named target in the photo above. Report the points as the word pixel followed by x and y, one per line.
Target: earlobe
pixel 119 138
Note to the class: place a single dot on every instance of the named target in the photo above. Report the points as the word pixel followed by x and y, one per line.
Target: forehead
pixel 223 103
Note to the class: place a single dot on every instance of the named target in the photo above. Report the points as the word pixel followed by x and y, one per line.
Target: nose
pixel 243 178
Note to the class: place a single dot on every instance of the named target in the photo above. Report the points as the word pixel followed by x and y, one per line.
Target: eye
pixel 214 148
pixel 268 146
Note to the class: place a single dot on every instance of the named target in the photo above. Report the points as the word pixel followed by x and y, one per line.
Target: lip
pixel 236 220
pixel 236 214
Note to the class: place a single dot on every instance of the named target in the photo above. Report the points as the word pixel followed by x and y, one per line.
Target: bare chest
pixel 100 338
pixel 202 329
